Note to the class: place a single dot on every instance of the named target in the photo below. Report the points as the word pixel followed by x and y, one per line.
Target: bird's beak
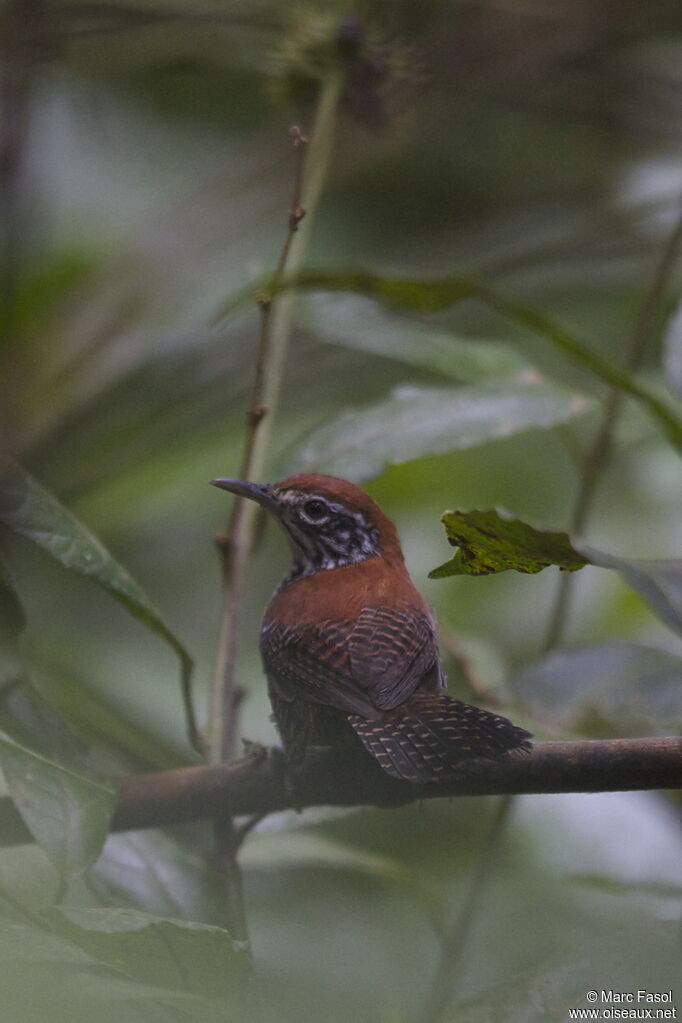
pixel 261 493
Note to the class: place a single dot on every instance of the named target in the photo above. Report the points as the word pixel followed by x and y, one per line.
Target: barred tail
pixel 430 737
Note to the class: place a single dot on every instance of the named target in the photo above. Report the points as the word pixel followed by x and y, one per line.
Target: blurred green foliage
pixel 145 176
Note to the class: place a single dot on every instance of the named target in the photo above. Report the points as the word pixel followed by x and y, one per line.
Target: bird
pixel 349 644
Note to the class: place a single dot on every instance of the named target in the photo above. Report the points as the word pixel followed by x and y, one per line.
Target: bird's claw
pixel 257 750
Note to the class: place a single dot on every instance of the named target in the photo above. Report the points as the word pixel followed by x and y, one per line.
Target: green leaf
pixel 48 976
pixel 22 943
pixel 176 954
pixel 529 996
pixel 568 344
pixel 30 511
pixel 425 296
pixel 66 808
pixel 417 296
pixel 647 949
pixel 151 871
pixel 302 849
pixel 615 689
pixel 435 295
pixel 67 812
pixel 493 541
pixel 359 325
pixel 612 886
pixel 92 712
pixel 418 421
pixel 658 581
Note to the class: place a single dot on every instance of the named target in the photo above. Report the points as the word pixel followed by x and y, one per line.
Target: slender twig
pixel 455 940
pixel 275 328
pixel 598 454
pixel 236 545
pixel 257 784
pixel 235 550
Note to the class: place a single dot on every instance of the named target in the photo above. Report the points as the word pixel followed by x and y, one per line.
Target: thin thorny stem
pixel 455 940
pixel 235 548
pixel 237 544
pixel 275 326
pixel 600 450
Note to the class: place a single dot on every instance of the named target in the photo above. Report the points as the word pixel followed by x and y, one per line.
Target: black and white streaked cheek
pixel 328 551
pixel 345 538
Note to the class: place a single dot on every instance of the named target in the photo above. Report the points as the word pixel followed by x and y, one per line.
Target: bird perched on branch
pixel 348 643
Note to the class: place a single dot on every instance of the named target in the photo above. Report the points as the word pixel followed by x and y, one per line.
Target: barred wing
pixel 394 651
pixel 363 667
pixel 432 737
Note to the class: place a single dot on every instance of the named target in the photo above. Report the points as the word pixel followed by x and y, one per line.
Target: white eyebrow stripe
pixel 294 497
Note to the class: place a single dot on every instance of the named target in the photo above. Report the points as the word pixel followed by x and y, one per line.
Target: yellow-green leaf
pixel 493 541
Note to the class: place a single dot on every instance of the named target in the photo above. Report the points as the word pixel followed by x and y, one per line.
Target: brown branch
pixel 259 785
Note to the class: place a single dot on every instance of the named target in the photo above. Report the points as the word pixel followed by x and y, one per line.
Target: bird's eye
pixel 315 511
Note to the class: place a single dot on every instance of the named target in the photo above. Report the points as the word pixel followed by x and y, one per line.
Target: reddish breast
pixel 339 594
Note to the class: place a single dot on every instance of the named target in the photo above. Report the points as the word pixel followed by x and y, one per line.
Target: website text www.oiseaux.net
pixel 626 1005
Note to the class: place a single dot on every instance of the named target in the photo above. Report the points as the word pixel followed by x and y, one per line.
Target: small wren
pixel 348 643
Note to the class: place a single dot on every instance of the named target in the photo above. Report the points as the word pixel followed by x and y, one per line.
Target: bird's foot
pixel 257 750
